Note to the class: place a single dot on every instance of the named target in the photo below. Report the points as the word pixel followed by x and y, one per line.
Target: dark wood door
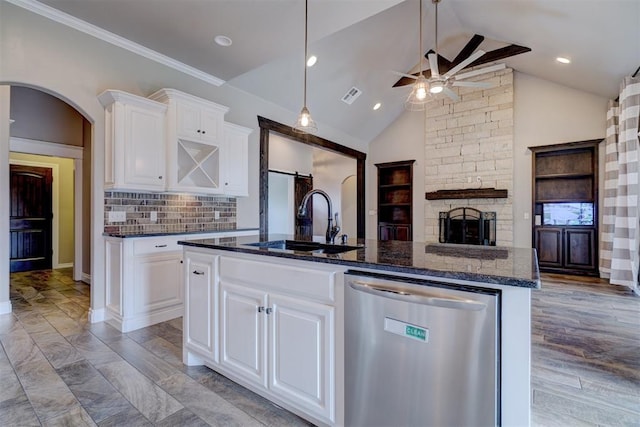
pixel 549 246
pixel 580 248
pixel 304 226
pixel 30 218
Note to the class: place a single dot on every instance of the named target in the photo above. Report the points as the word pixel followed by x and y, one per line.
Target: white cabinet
pixel 134 142
pixel 145 278
pixel 277 330
pixel 301 349
pixel 243 332
pixel 144 281
pixel 195 141
pixel 199 322
pixel 198 120
pixel 236 160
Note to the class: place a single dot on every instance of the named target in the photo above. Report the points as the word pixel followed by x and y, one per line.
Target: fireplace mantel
pixel 467 193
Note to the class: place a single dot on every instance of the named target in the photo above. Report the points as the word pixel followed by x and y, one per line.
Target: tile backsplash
pixel 176 213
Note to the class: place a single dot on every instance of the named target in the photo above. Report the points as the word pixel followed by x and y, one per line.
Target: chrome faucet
pixel 332 230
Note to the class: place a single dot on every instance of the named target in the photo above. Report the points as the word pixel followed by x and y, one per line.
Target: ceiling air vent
pixel 351 96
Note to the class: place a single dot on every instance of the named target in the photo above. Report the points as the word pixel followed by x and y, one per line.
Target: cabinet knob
pixel 199 131
pixel 268 310
pixel 203 132
pixel 160 177
pixel 260 309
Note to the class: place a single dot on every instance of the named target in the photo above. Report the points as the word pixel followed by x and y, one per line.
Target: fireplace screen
pixel 468 226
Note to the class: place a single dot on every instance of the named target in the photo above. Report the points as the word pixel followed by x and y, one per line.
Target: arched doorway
pixel 49 131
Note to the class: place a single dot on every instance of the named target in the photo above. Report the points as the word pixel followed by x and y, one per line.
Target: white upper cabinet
pixel 195 140
pixel 134 142
pixel 236 160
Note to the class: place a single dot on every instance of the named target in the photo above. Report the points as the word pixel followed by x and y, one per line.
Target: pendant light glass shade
pixel 305 124
pixel 419 96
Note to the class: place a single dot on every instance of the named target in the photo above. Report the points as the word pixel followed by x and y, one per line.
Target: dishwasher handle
pixel 423 298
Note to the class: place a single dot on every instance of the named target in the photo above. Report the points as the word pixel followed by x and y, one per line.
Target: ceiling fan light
pixel 305 124
pixel 418 97
pixel 436 88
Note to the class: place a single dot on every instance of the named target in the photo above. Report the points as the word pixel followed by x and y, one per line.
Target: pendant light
pixel 419 96
pixel 305 123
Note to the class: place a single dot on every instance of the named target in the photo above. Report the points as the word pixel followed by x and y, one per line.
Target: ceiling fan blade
pixel 469 48
pixel 451 94
pixel 433 64
pixel 484 70
pixel 477 54
pixel 502 53
pixel 409 76
pixel 409 79
pixel 471 84
pixel 443 63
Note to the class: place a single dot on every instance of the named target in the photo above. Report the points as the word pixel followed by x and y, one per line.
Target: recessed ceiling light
pixel 223 41
pixel 311 61
pixel 563 60
pixel 377 106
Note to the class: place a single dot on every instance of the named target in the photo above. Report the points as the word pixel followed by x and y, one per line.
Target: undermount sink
pixel 304 246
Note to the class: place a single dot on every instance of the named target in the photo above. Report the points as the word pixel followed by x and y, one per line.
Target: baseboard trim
pixel 64 265
pixel 5 307
pixel 86 278
pixel 98 315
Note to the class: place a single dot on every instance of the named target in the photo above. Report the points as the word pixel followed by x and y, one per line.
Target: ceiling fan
pixel 442 74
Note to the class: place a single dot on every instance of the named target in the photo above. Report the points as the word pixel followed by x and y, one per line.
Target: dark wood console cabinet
pixel 395 200
pixel 565 180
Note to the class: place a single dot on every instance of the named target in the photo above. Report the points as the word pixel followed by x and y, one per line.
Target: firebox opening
pixel 468 226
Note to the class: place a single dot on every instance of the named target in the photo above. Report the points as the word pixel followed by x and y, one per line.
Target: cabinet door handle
pixel 199 131
pixel 268 310
pixel 160 177
pixel 161 246
pixel 203 132
pixel 260 309
pixel 199 273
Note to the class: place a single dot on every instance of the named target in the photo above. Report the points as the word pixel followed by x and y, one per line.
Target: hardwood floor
pixel 57 369
pixel 585 353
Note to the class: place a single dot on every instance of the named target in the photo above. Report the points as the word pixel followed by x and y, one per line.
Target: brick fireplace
pixel 469 147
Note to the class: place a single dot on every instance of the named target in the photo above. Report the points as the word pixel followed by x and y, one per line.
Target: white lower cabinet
pixel 300 353
pixel 199 322
pixel 277 331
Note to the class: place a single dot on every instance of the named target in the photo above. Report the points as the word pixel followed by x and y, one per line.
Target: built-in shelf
pixel 467 193
pixel 395 200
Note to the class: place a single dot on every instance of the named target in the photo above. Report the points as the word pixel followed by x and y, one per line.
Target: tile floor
pixel 57 369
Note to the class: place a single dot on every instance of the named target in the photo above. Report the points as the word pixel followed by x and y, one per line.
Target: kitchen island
pixel 273 318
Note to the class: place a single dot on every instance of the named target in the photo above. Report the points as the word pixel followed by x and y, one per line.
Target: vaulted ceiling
pixel 359 43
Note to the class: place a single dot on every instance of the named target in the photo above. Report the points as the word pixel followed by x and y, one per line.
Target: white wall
pixel 287 155
pixel 37 52
pixel 402 140
pixel 547 113
pixel 329 171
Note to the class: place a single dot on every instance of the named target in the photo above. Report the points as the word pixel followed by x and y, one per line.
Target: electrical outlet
pixel 526 215
pixel 469 180
pixel 216 214
pixel 153 216
pixel 117 216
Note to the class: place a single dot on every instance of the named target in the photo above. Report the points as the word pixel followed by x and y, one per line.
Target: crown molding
pixel 114 39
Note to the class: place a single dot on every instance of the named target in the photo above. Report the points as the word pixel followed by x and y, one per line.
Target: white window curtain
pixel 620 236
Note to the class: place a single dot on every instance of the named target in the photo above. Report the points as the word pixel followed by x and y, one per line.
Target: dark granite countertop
pixel 486 264
pixel 178 233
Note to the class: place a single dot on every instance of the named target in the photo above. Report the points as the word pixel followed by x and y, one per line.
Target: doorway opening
pixel 268 128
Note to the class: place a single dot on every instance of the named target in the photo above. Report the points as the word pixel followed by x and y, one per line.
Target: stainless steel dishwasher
pixel 420 353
